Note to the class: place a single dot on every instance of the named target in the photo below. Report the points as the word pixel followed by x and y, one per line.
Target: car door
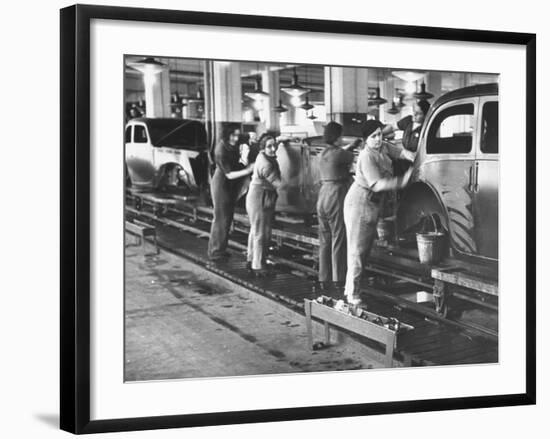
pixel 448 167
pixel 139 156
pixel 486 178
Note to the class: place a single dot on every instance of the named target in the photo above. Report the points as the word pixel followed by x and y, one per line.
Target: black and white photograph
pixel 282 218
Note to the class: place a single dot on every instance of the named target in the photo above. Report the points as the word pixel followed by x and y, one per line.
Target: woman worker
pixel 334 172
pixel 365 199
pixel 224 188
pixel 411 126
pixel 260 204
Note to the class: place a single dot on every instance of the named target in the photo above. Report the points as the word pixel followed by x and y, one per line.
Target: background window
pixel 128 135
pixel 451 131
pixel 489 128
pixel 140 136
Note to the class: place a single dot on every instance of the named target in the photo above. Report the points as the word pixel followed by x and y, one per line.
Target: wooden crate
pixel 372 327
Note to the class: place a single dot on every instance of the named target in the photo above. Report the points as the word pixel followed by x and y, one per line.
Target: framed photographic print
pixel 276 218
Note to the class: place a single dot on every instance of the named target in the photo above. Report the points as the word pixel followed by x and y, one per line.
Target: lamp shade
pixel 393 109
pixel 307 106
pixel 295 89
pixel 258 93
pixel 377 100
pixel 408 76
pixel 423 94
pixel 280 108
pixel 148 65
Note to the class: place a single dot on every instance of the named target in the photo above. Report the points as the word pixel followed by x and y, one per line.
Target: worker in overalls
pixel 334 171
pixel 224 188
pixel 365 200
pixel 260 204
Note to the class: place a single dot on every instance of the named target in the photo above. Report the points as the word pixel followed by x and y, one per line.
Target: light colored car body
pixel 154 148
pixel 456 171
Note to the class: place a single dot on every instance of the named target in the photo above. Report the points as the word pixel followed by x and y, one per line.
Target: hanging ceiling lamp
pixel 258 93
pixel 295 89
pixel 393 109
pixel 307 106
pixel 408 76
pixel 423 94
pixel 377 100
pixel 198 98
pixel 148 65
pixel 312 116
pixel 280 108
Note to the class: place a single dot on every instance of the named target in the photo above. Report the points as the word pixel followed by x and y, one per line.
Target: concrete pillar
pixel 434 84
pixel 346 96
pixel 387 91
pixel 157 93
pixel 270 84
pixel 226 79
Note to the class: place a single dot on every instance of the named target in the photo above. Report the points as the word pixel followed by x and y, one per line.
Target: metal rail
pixel 404 304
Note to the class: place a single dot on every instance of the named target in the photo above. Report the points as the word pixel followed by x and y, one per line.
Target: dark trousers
pixel 224 200
pixel 332 232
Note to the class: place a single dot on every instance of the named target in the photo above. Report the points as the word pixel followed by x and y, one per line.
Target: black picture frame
pixel 75 217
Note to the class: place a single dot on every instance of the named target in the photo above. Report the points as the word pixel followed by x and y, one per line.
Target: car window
pixel 140 135
pixel 489 128
pixel 452 130
pixel 128 134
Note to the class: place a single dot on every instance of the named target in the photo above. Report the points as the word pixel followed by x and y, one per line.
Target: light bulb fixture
pixel 408 76
pixel 307 106
pixel 377 100
pixel 258 94
pixel 148 65
pixel 410 88
pixel 295 101
pixel 312 116
pixel 198 98
pixel 295 89
pixel 423 94
pixel 280 108
pixel 393 109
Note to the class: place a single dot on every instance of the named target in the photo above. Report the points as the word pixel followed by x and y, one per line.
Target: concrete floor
pixel 182 321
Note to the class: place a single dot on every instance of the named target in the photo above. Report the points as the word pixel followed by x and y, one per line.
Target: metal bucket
pixel 431 247
pixel 385 229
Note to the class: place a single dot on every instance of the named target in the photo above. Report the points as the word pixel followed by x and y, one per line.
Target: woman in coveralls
pixel 411 126
pixel 334 171
pixel 224 188
pixel 365 199
pixel 260 204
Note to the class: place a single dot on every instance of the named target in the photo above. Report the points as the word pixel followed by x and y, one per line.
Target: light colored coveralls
pixel 260 206
pixel 362 207
pixel 334 167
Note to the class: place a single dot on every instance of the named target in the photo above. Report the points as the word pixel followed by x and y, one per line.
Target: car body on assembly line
pixel 164 153
pixel 456 172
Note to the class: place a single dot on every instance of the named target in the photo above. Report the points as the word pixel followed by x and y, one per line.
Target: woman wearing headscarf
pixel 224 188
pixel 260 203
pixel 365 199
pixel 334 172
pixel 411 127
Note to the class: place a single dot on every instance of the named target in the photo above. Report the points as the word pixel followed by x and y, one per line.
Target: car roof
pixel 468 92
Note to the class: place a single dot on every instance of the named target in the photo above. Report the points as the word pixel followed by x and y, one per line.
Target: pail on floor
pixel 431 246
pixel 385 229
